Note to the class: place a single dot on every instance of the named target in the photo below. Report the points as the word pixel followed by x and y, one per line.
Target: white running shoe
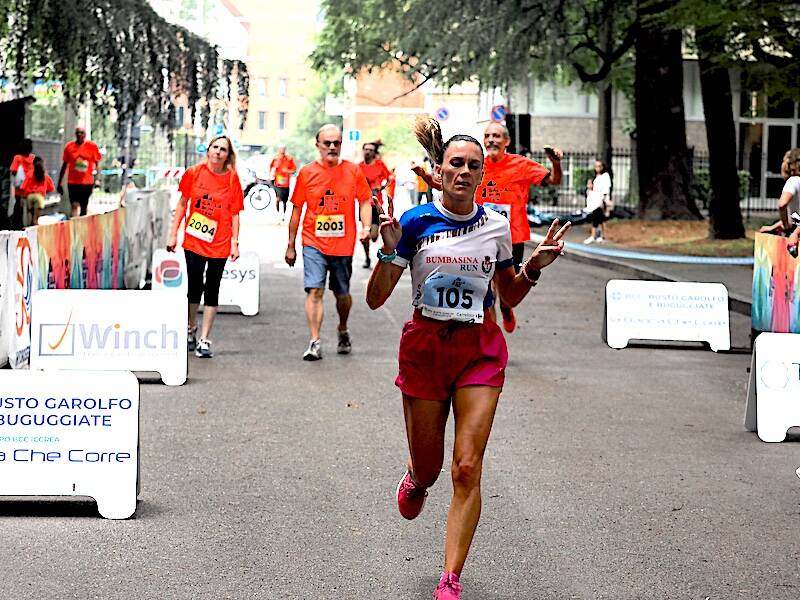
pixel 589 240
pixel 600 240
pixel 314 351
pixel 203 349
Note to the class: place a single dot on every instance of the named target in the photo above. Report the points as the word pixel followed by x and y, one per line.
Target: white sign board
pixel 773 392
pixel 71 434
pixel 668 311
pixel 240 279
pixel 110 330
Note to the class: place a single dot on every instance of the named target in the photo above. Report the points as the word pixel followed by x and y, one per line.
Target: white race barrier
pixel 773 390
pixel 667 311
pixel 71 434
pixel 240 284
pixel 111 330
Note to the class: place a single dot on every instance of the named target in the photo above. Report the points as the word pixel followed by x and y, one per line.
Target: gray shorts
pixel 316 266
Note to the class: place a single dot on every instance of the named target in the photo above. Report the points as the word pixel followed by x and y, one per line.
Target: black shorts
pixel 517 252
pixel 282 193
pixel 195 268
pixel 79 193
pixel 598 217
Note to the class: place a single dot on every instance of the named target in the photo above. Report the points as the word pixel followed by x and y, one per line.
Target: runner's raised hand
pixel 390 228
pixel 551 247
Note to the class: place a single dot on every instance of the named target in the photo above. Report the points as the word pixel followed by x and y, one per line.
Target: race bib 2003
pixel 453 298
pixel 201 227
pixel 329 226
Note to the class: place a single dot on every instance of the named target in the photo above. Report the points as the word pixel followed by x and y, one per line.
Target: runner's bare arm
pixel 513 287
pixel 235 237
pixel 366 218
pixel 385 276
pixel 554 176
pixel 783 210
pixel 180 212
pixel 294 225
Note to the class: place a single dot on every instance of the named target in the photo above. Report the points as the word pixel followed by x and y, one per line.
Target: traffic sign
pixel 353 135
pixel 498 113
pixel 219 128
pixel 442 114
pixel 201 148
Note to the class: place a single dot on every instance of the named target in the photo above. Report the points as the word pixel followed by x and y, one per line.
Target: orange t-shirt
pixel 284 167
pixel 505 188
pixel 31 186
pixel 212 201
pixel 329 195
pixel 376 173
pixel 81 160
pixel 26 162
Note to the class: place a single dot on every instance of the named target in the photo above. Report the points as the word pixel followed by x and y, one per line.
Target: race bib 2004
pixel 453 297
pixel 503 209
pixel 329 226
pixel 201 227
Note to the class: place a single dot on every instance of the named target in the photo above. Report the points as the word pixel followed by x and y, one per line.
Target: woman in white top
pixel 789 200
pixel 598 201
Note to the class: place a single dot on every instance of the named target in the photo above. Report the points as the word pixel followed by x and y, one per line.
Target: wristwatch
pixel 387 258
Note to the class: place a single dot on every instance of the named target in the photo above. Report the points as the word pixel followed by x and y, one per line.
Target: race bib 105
pixel 329 226
pixel 453 298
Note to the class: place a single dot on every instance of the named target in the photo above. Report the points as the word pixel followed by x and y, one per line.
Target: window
pixel 281 121
pixel 261 84
pixel 262 119
pixel 283 86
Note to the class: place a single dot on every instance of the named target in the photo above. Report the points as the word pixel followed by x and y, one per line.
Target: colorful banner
pixel 22 283
pixel 776 286
pixel 55 246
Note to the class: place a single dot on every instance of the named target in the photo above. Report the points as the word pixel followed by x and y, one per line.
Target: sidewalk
pixel 737 278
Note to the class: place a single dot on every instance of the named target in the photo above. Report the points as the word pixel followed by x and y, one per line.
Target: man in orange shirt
pixel 504 188
pixel 282 168
pixel 379 177
pixel 328 188
pixel 79 161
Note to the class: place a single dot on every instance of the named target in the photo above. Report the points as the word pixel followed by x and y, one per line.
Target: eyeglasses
pixel 330 143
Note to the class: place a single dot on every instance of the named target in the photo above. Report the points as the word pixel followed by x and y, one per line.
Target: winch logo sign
pixel 69 339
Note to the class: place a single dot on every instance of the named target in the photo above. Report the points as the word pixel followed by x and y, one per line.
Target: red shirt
pixel 329 195
pixel 213 199
pixel 81 160
pixel 284 167
pixel 376 173
pixel 31 186
pixel 26 162
pixel 505 188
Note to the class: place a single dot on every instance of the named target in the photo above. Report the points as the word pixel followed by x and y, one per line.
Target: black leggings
pixel 195 266
pixel 598 217
pixel 517 252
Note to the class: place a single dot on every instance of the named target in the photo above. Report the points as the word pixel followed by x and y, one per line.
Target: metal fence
pixel 578 169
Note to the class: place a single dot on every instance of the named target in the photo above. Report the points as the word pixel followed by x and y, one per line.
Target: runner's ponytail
pixel 429 135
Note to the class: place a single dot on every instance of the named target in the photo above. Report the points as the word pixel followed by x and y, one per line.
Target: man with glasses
pixel 328 188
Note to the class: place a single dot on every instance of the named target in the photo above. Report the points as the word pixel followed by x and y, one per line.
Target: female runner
pixel 450 352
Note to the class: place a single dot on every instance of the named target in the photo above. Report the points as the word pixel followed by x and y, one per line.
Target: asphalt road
pixel 610 474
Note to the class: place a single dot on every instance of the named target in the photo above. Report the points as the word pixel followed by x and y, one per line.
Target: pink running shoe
pixel 449 588
pixel 410 497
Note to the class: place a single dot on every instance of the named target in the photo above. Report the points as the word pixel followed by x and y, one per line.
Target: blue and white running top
pixel 453 259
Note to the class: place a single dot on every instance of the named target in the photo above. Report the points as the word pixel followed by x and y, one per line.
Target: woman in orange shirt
pixel 35 188
pixel 211 199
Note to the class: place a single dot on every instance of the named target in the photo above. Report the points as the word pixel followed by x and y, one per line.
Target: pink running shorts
pixel 438 357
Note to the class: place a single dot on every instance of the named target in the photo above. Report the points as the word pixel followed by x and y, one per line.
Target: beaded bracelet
pixel 533 280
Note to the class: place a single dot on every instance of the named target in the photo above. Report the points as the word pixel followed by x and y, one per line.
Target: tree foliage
pixel 116 53
pixel 495 41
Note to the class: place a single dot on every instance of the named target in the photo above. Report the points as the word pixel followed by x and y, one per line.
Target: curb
pixel 737 304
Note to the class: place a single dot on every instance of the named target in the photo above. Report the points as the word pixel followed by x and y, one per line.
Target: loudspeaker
pixel 519 128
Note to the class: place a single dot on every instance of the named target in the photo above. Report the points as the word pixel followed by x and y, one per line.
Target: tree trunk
pixel 663 157
pixel 605 94
pixel 724 211
pixel 604 123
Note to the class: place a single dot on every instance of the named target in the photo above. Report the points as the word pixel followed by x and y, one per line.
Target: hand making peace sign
pixel 390 229
pixel 551 247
